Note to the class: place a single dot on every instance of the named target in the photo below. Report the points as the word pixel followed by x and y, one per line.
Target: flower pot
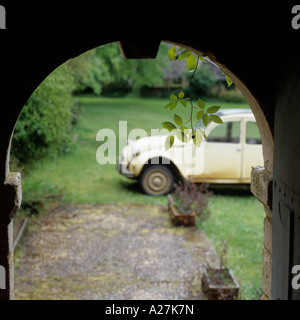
pixel 219 284
pixel 180 219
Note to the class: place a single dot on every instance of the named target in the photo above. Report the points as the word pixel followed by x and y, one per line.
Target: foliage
pixel 89 72
pixel 204 113
pixel 45 124
pixel 104 70
pixel 232 96
pixel 189 197
pixel 202 81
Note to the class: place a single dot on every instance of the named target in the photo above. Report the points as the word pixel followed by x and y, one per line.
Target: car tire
pixel 157 180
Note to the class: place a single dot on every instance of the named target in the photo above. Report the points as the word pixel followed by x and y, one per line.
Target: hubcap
pixel 158 182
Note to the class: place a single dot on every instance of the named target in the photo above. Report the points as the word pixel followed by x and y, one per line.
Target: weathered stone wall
pixel 10 199
pixel 261 187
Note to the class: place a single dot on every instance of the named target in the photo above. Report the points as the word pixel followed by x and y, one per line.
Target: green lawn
pixel 239 220
pixel 78 174
pixel 81 179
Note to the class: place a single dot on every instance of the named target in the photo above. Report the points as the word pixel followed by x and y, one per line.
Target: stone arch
pixel 49 61
pixel 265 131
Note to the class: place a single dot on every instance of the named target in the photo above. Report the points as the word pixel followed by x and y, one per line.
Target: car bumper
pixel 121 168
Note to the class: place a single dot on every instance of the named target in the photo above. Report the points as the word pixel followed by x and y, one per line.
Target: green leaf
pixel 168 105
pixel 180 94
pixel 181 136
pixel 213 109
pixel 201 103
pixel 169 142
pixel 200 114
pixel 183 128
pixel 173 97
pixel 178 120
pixel 184 55
pixel 173 105
pixel 202 59
pixel 191 62
pixel 183 102
pixel 216 118
pixel 168 125
pixel 205 119
pixel 172 53
pixel 229 81
pixel 197 138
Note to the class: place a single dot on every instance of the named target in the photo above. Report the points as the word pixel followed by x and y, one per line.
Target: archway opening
pixel 111 105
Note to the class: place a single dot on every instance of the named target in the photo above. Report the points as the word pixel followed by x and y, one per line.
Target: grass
pixel 81 179
pixel 238 219
pixel 78 174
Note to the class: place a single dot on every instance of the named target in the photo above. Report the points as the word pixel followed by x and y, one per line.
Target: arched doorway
pixel 40 65
pixel 262 124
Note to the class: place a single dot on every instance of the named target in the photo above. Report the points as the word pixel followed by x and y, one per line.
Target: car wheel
pixel 157 180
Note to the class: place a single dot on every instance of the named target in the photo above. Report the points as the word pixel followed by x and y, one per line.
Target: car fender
pixel 152 157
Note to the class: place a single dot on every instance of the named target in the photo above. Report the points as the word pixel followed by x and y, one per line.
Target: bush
pixel 202 81
pixel 232 96
pixel 190 197
pixel 45 124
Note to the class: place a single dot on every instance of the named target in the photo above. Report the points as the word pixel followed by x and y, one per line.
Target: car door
pixel 222 153
pixel 252 149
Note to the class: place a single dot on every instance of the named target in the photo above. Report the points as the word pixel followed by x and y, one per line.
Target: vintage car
pixel 225 157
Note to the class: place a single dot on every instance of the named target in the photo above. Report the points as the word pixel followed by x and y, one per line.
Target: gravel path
pixel 112 251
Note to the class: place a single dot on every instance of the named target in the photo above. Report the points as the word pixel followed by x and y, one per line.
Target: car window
pixel 228 132
pixel 252 133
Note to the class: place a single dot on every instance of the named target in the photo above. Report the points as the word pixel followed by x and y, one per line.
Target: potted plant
pixel 188 202
pixel 219 283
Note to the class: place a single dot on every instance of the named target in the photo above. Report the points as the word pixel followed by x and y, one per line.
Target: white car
pixel 228 154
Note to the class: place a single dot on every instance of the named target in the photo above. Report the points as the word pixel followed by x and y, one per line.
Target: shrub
pixel 232 96
pixel 189 197
pixel 203 80
pixel 45 124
